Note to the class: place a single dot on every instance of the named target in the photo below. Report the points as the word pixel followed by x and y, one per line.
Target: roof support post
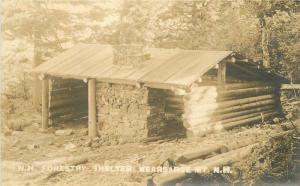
pixel 92 125
pixel 45 103
pixel 221 75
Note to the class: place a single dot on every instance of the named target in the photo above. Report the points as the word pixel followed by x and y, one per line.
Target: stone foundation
pixel 127 113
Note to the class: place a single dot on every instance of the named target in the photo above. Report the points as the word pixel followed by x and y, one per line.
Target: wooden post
pixel 45 103
pixel 92 128
pixel 221 75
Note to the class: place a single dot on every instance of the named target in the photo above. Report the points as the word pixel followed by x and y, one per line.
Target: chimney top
pixel 131 55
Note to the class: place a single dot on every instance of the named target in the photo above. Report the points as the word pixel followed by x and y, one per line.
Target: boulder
pixel 70 147
pixel 64 132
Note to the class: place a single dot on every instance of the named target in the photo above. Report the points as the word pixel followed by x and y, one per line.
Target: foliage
pixel 44 28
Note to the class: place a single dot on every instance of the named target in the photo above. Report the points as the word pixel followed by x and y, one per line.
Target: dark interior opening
pixel 68 101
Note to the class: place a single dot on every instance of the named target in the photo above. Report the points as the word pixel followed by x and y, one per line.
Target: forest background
pixel 34 31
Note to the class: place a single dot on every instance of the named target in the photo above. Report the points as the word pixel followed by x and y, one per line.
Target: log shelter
pixel 133 93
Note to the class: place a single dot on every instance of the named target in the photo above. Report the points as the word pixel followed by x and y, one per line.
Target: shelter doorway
pixel 68 101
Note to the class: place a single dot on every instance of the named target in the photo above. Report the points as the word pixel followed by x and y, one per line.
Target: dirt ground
pixel 18 148
pixel 32 145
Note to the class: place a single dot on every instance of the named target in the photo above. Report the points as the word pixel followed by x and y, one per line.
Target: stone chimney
pixel 131 55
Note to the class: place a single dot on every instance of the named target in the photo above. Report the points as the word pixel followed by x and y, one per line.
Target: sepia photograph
pixel 150 93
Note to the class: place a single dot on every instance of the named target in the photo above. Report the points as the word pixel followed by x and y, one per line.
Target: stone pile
pixel 127 112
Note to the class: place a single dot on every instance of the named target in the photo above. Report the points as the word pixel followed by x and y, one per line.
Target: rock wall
pixel 290 102
pixel 127 113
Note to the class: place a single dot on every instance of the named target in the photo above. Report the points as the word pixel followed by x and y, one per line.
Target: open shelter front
pixel 68 100
pixel 131 93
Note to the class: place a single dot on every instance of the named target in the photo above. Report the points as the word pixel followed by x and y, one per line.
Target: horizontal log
pixel 231 125
pixel 67 88
pixel 225 104
pixel 179 106
pixel 69 92
pixel 290 86
pixel 247 91
pixel 68 117
pixel 230 103
pixel 233 86
pixel 248 106
pixel 78 95
pixel 240 113
pixel 244 116
pixel 70 98
pixel 174 110
pixel 174 99
pixel 58 103
pixel 212 120
pixel 221 116
pixel 75 105
pixel 71 110
pixel 219 160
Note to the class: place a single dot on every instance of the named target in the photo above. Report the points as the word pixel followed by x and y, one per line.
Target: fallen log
pixel 200 153
pixel 208 164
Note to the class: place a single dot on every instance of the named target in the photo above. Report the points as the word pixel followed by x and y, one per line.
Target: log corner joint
pixel 221 75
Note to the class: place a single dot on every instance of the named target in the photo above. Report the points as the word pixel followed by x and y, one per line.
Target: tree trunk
pixel 265 42
pixel 37 85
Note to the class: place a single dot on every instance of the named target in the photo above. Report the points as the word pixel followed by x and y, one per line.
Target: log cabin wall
pixel 246 98
pixel 172 124
pixel 200 105
pixel 67 100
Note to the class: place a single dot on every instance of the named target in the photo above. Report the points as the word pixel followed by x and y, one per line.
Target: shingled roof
pixel 166 68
